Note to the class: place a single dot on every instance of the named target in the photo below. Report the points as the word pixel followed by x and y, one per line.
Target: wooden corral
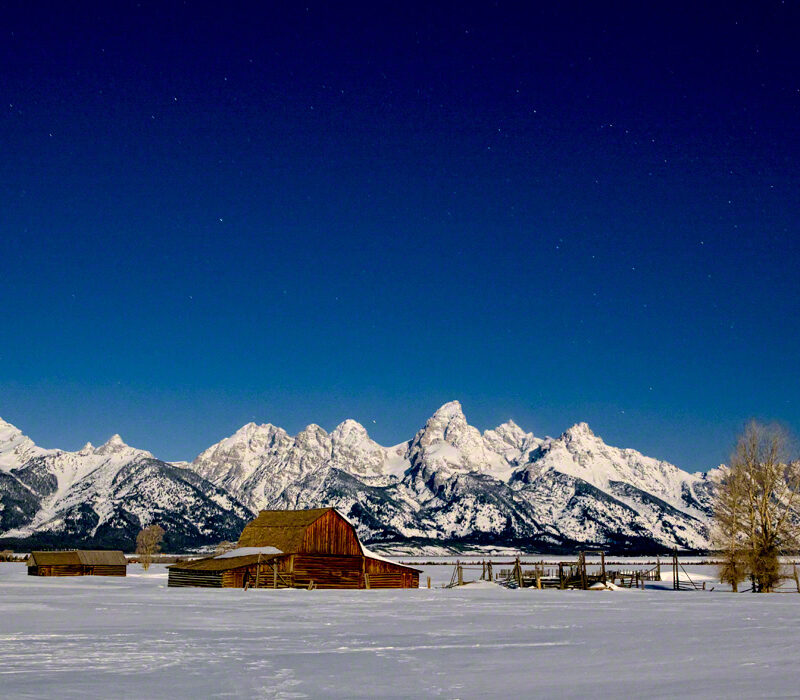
pixel 296 549
pixel 562 574
pixel 77 563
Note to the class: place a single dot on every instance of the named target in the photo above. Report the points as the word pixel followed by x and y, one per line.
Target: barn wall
pixel 299 570
pixel 387 574
pixel 56 570
pixel 394 580
pixel 203 579
pixel 107 570
pixel 331 534
pixel 376 566
pixel 328 571
pixel 267 579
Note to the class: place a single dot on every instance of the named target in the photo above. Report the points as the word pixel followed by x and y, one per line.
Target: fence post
pixel 489 571
pixel 675 580
pixel 460 573
pixel 582 564
pixel 518 572
pixel 429 581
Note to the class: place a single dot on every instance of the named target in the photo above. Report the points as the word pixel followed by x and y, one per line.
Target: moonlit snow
pixel 133 637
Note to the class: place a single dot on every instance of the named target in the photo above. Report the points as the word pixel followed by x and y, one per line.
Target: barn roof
pixel 78 558
pixel 222 563
pixel 283 529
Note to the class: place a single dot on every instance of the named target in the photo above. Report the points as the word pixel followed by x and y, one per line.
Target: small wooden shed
pixel 316 548
pixel 77 563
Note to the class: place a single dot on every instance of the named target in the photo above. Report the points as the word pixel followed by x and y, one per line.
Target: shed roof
pixel 78 558
pixel 221 563
pixel 283 529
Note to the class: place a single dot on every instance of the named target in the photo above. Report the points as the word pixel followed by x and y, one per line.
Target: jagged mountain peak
pixel 349 426
pixel 450 480
pixel 312 434
pixel 448 423
pixel 114 441
pixel 579 431
pixel 511 441
pixel 449 445
pixel 349 431
pixel 581 454
pixel 249 430
pixel 448 411
pixel 113 445
pixel 509 432
pixel 16 447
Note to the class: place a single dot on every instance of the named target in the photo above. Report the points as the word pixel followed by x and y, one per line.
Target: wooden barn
pixel 77 563
pixel 296 549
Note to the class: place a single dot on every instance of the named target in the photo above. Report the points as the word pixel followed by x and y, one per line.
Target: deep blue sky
pixel 211 215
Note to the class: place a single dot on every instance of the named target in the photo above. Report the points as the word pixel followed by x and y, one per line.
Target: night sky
pixel 212 213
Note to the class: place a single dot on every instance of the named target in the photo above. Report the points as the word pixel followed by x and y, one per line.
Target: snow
pixel 16 448
pixel 421 488
pixel 372 555
pixel 608 586
pixel 96 637
pixel 247 551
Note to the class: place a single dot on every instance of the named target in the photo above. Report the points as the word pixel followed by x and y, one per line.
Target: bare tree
pixel 755 508
pixel 223 547
pixel 728 529
pixel 148 543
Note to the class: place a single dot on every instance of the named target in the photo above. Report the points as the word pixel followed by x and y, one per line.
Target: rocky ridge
pixel 449 484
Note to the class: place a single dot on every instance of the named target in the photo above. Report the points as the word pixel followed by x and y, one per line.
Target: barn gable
pixel 316 531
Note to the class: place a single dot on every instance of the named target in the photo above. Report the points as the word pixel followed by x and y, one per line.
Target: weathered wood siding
pixel 394 580
pixel 64 570
pixel 300 570
pixel 387 574
pixel 109 570
pixel 328 571
pixel 267 577
pixel 203 579
pixel 235 578
pixel 331 534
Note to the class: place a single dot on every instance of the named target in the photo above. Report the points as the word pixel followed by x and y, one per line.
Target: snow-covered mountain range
pixel 450 484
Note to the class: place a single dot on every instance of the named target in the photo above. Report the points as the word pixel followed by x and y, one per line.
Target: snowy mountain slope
pixel 450 482
pixel 105 495
pixel 16 448
pixel 583 455
pixel 259 463
pixel 448 446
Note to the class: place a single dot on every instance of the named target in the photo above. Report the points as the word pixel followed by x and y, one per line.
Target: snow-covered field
pixel 104 637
